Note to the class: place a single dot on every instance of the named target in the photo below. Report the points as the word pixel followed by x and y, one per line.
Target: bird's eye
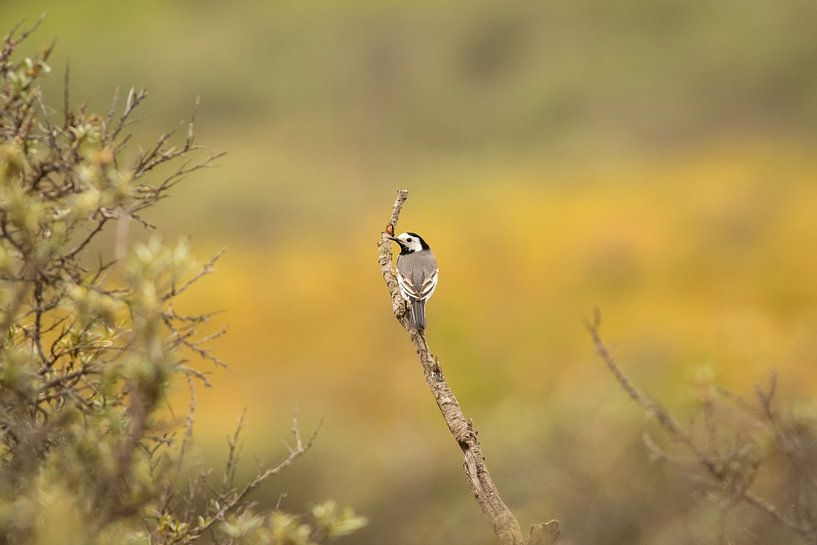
pixel 408 239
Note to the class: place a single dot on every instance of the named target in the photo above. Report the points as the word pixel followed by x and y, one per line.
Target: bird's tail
pixel 418 314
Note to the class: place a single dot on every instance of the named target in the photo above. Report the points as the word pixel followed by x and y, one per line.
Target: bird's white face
pixel 411 241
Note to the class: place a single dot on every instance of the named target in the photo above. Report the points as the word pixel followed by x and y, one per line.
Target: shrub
pixel 91 342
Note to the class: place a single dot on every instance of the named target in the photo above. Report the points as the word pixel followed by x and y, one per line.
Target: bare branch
pixel 189 420
pixel 131 103
pixel 10 42
pixel 671 426
pixel 87 240
pixel 234 501
pixel 485 492
pixel 205 270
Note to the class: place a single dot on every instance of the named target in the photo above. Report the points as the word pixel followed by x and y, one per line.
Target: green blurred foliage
pixel 651 157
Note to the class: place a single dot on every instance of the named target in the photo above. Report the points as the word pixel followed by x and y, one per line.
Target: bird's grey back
pixel 416 267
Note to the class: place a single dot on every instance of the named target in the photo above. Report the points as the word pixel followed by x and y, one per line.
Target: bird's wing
pixel 406 289
pixel 429 285
pixel 417 275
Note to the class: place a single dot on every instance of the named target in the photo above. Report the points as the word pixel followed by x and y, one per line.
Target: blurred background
pixel 651 157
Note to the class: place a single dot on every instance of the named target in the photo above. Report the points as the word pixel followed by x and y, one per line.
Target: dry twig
pixel 714 468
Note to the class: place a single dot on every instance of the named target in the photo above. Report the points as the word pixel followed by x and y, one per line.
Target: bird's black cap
pixel 422 241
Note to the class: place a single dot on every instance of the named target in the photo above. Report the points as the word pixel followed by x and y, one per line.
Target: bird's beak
pixel 397 240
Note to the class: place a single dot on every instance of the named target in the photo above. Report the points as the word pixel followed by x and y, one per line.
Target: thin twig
pixel 231 503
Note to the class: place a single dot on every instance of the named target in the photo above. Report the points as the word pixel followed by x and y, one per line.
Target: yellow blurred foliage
pixel 703 259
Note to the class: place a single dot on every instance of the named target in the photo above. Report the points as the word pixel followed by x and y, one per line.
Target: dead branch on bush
pixel 717 468
pixel 482 485
pixel 231 499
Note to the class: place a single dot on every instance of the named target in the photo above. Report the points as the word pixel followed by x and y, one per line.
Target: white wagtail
pixel 417 274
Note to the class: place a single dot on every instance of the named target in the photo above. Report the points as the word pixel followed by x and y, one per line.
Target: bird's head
pixel 410 243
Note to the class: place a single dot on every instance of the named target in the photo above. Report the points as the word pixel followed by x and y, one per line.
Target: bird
pixel 417 275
